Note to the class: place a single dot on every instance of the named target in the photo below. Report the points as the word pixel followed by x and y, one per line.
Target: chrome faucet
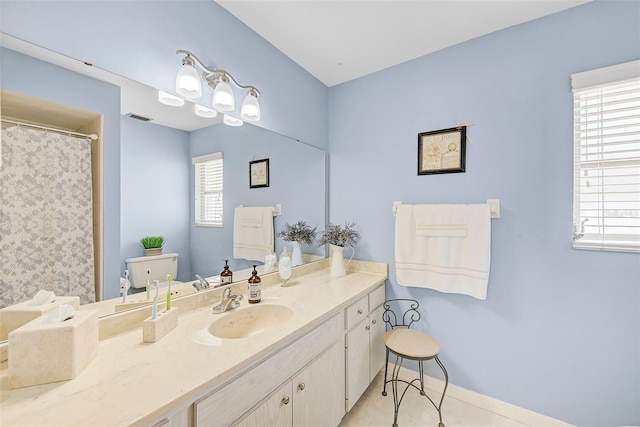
pixel 229 302
pixel 203 283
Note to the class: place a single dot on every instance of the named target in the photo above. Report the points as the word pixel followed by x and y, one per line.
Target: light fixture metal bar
pixel 211 75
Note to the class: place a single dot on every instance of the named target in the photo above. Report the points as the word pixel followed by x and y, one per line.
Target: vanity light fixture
pixel 189 85
pixel 205 112
pixel 231 121
pixel 168 99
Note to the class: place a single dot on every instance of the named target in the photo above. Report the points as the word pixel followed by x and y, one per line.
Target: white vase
pixel 296 255
pixel 338 267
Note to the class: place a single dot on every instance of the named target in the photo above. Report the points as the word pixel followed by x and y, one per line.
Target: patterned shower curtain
pixel 46 219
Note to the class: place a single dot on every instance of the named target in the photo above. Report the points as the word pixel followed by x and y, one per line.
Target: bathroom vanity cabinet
pixel 298 373
pixel 365 352
pixel 311 367
pixel 313 397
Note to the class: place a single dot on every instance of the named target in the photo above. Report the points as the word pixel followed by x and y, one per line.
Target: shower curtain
pixel 46 218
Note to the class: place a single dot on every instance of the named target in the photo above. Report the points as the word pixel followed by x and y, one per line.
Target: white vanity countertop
pixel 131 382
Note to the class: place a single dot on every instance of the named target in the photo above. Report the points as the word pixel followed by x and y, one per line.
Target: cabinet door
pixel 377 352
pixel 276 411
pixel 357 343
pixel 318 391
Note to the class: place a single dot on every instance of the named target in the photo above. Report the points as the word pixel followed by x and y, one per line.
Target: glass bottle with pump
pixel 226 276
pixel 254 287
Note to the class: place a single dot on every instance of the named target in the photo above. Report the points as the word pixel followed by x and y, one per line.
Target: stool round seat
pixel 411 344
pixel 406 343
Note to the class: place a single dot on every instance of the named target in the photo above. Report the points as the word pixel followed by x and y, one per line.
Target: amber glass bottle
pixel 255 287
pixel 226 276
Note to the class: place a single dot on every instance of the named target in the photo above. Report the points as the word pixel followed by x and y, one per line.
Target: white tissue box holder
pixel 41 353
pixel 16 315
pixel 165 322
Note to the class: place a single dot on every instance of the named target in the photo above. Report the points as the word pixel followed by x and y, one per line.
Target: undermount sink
pixel 249 321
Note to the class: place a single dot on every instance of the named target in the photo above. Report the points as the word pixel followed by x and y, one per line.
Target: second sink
pixel 249 321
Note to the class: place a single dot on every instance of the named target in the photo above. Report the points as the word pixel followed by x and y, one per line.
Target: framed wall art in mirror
pixel 259 173
pixel 442 151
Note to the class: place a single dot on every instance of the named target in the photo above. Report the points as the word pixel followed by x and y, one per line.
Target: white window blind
pixel 208 194
pixel 606 191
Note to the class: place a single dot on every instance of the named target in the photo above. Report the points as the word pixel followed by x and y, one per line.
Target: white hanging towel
pixel 252 232
pixel 444 247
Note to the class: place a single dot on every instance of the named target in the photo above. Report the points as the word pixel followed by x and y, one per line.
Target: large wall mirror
pixel 145 171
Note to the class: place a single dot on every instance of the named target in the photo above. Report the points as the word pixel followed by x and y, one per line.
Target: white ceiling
pixel 338 41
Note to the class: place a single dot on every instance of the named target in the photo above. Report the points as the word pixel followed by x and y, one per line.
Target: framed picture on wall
pixel 442 151
pixel 259 173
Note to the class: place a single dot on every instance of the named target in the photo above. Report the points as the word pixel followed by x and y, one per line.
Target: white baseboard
pixel 499 407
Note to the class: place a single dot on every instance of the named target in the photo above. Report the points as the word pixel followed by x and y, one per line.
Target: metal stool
pixel 410 344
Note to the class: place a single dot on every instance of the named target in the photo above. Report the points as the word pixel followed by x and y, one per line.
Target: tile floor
pixel 373 409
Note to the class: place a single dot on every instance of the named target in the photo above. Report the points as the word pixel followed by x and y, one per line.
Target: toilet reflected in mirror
pixel 134 158
pixel 157 266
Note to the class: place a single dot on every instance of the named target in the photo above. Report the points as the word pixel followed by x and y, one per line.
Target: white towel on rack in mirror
pixel 252 232
pixel 441 220
pixel 452 264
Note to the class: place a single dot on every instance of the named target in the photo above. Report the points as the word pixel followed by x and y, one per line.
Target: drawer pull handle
pixel 285 400
pixel 373 321
pixel 367 327
pixel 359 311
pixel 301 386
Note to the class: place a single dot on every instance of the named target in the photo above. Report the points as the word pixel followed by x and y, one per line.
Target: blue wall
pixel 560 330
pixel 559 333
pixel 296 181
pixel 154 190
pixel 29 76
pixel 139 39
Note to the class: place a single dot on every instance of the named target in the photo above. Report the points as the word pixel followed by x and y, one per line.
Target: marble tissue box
pixel 16 315
pixel 165 322
pixel 42 353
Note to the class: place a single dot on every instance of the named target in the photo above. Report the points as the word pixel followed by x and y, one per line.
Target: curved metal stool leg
pixel 397 396
pixel 446 384
pixel 386 366
pixel 394 387
pixel 421 372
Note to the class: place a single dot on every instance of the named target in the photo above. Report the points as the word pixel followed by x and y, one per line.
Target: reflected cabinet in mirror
pixel 141 180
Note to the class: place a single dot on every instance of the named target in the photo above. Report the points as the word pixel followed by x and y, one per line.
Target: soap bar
pixel 42 353
pixel 16 315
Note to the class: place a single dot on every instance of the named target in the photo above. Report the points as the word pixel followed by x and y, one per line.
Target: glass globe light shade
pixel 250 109
pixel 232 121
pixel 188 83
pixel 223 97
pixel 168 99
pixel 205 112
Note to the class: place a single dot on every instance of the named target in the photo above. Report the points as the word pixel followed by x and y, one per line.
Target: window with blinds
pixel 208 191
pixel 606 191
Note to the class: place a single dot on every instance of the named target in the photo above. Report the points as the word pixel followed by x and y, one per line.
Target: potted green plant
pixel 298 234
pixel 339 237
pixel 152 245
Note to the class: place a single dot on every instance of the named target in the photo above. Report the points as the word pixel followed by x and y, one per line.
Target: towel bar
pixel 277 209
pixel 494 207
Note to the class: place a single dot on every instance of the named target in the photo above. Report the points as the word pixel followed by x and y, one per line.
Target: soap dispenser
pixel 226 276
pixel 255 287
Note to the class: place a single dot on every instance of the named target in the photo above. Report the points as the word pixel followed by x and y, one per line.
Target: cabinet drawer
pixel 249 388
pixel 376 298
pixel 356 312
